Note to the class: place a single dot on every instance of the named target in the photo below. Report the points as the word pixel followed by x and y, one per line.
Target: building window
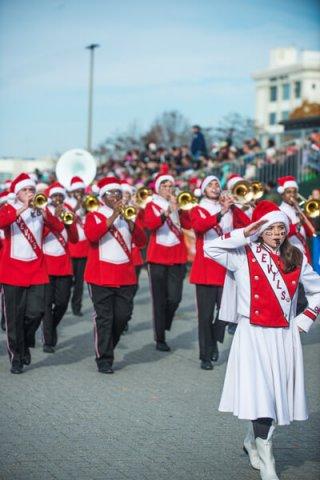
pixel 285 115
pixel 286 91
pixel 272 118
pixel 273 94
pixel 297 89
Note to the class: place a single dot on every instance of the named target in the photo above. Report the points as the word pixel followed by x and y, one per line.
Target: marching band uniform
pixel 59 266
pixel 79 250
pixel 23 273
pixel 208 275
pixel 110 274
pixel 298 233
pixel 166 257
pixel 264 377
pixel 3 200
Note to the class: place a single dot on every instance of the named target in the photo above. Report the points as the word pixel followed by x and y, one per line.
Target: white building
pixel 292 76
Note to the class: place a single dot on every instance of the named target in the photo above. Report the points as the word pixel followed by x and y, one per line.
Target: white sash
pixel 20 247
pixel 164 235
pixel 274 278
pixel 110 249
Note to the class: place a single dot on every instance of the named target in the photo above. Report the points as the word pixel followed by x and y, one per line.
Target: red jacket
pixel 206 271
pixel 137 258
pixel 166 246
pixel 109 260
pixel 81 247
pixel 21 264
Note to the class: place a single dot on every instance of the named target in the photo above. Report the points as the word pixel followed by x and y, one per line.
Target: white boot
pixel 249 446
pixel 267 462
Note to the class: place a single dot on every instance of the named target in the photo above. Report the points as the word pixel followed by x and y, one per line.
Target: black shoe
pixel 105 369
pixel 78 314
pixel 215 356
pixel 48 349
pixel 26 359
pixel 163 347
pixel 206 365
pixel 16 368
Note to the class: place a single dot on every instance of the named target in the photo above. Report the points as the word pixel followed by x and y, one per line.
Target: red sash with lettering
pixel 117 235
pixel 61 240
pixel 173 228
pixel 29 236
pixel 272 290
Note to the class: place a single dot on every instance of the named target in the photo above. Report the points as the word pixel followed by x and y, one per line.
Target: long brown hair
pixel 291 256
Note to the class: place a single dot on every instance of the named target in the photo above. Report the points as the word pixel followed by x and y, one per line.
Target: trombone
pixel 129 212
pixel 242 192
pixel 67 217
pixel 143 196
pixel 311 207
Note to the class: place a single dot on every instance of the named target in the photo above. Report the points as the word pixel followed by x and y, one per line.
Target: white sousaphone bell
pixel 76 162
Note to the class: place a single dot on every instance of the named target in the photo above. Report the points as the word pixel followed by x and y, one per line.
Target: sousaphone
pixel 76 162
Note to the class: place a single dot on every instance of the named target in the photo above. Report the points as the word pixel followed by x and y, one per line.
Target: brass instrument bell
pixel 258 189
pixel 242 191
pixel 129 212
pixel 186 200
pixel 143 196
pixel 90 203
pixel 312 208
pixel 67 217
pixel 40 200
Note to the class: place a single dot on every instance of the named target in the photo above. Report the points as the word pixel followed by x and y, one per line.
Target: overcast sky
pixel 196 56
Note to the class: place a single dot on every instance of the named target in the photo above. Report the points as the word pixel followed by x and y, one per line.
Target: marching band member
pixel 264 380
pixel 3 200
pixel 215 214
pixel 300 228
pixel 79 250
pixel 23 271
pixel 166 255
pixel 109 271
pixel 59 267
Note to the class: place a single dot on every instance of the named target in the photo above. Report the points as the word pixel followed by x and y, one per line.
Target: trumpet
pixel 311 207
pixel 143 196
pixel 90 203
pixel 39 201
pixel 129 212
pixel 186 200
pixel 243 192
pixel 67 217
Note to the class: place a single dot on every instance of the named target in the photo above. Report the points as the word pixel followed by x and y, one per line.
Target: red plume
pixel 164 169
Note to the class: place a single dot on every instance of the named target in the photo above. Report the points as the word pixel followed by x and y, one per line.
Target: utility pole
pixel 89 134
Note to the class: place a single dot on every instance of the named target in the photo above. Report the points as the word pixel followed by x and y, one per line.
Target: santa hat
pixel 286 182
pixel 108 183
pixel 55 188
pixel 205 182
pixel 163 176
pixel 95 189
pixel 21 181
pixel 3 197
pixel 266 210
pixel 126 187
pixel 76 183
pixel 233 179
pixel 7 184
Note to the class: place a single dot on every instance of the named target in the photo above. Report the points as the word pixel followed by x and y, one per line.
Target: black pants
pixel 166 288
pixel 24 309
pixel 113 309
pixel 79 265
pixel 57 295
pixel 208 298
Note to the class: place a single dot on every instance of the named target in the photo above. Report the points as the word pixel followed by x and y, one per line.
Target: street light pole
pixel 89 133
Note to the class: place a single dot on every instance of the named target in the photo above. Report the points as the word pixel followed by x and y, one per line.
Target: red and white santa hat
pixel 233 179
pixel 108 183
pixel 55 188
pixel 7 184
pixel 286 182
pixel 163 176
pixel 76 183
pixel 21 181
pixel 266 210
pixel 205 182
